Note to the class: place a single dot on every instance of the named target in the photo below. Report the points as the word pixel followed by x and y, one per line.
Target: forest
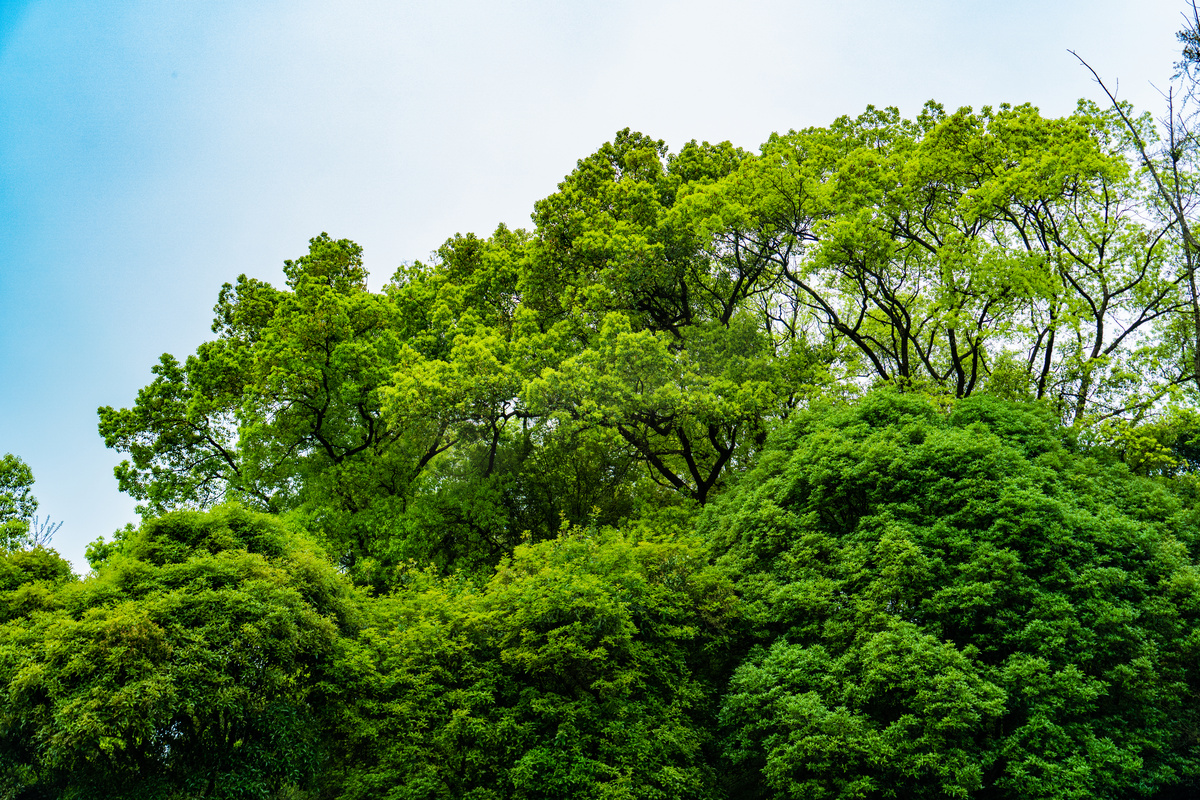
pixel 865 465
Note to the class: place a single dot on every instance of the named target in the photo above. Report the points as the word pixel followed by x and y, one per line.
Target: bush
pixel 956 605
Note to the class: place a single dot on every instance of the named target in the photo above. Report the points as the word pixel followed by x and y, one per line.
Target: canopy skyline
pixel 152 153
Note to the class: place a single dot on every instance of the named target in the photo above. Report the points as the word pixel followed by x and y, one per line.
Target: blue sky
pixel 151 151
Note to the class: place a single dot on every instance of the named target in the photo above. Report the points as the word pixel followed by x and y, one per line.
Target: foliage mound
pixel 192 663
pixel 956 605
pixel 577 670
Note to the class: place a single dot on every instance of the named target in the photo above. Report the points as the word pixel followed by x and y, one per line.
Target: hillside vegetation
pixel 861 466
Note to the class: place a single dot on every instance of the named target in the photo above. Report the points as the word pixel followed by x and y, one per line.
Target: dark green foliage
pixel 910 598
pixel 196 661
pixel 572 673
pixel 956 605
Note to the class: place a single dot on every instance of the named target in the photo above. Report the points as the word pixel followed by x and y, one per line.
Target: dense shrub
pixel 954 605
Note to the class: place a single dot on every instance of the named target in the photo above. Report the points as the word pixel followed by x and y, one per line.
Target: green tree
pixel 17 503
pixel 666 313
pixel 646 327
pixel 284 409
pixel 957 605
pixel 199 659
pixel 936 250
pixel 507 471
pixel 1166 154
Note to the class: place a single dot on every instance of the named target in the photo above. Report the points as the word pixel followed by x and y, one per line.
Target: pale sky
pixel 151 151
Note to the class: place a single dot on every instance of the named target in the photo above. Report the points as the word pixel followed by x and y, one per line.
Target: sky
pixel 151 151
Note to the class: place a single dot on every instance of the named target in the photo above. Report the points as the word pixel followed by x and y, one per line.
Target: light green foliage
pixel 935 250
pixel 387 424
pixel 17 503
pixel 197 660
pixel 287 392
pixel 504 471
pixel 664 315
pixel 284 410
pixel 648 327
pixel 955 605
pixel 28 581
pixel 688 413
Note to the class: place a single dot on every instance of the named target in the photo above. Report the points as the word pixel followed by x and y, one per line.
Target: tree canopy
pixel 663 316
pixel 959 605
pixel 862 465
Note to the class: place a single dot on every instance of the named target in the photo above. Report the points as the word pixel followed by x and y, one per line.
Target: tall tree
pixel 647 328
pixel 284 409
pixel 17 503
pixel 942 249
pixel 1168 156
